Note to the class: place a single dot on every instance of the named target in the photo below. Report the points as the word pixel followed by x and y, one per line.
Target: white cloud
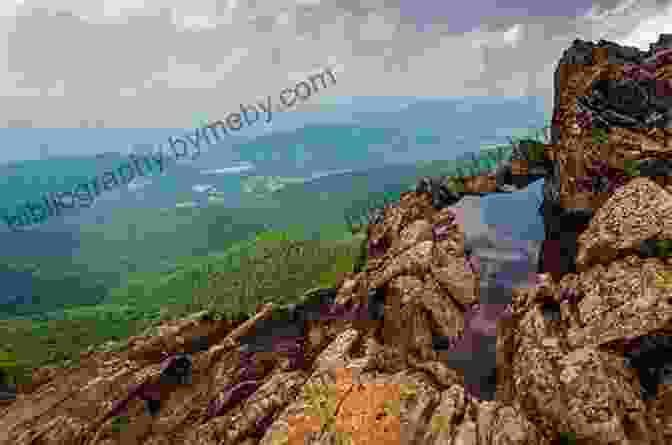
pixel 376 28
pixel 228 170
pixel 648 31
pixel 153 63
pixel 118 8
pixel 10 8
pixel 513 35
pixel 197 21
pixel 625 6
pixel 127 92
pixel 283 18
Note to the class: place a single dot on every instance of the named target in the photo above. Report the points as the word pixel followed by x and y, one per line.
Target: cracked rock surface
pixel 372 381
pixel 583 352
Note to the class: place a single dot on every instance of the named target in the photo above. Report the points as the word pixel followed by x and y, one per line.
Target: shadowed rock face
pixel 288 325
pixel 626 103
pixel 176 369
pixel 475 351
pixel 551 311
pixel 442 196
pixel 475 355
pixel 651 356
pixel 7 392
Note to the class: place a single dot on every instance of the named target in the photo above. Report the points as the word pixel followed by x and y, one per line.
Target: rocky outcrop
pixel 415 347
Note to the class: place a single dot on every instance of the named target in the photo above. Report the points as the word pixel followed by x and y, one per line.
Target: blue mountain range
pixel 381 138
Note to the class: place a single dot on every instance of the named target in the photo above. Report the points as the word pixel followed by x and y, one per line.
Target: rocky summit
pixel 413 348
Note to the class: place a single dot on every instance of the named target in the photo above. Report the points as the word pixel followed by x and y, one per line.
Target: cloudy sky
pixel 158 63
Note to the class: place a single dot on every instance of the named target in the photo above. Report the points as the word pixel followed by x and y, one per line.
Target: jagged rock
pixel 418 231
pixel 458 280
pixel 636 212
pixel 618 300
pixel 410 208
pixel 651 355
pixel 626 103
pixel 442 195
pixel 587 377
pixel 577 352
pixel 583 54
pixel 444 313
pixel 415 260
pixel 527 164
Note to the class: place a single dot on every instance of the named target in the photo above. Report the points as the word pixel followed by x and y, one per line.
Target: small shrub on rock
pixel 119 423
pixel 567 438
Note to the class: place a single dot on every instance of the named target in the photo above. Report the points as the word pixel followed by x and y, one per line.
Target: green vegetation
pixel 275 266
pixel 408 391
pixel 664 280
pixel 119 423
pixel 43 288
pixel 392 408
pixel 600 135
pixel 536 149
pixel 168 265
pixel 567 438
pixel 631 167
pixel 439 423
pixel 321 403
pixel 7 365
pixel 137 241
pixel 455 185
pixel 664 247
pixel 473 164
pixel 357 214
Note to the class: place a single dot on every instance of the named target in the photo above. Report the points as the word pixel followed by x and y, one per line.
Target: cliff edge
pixel 580 354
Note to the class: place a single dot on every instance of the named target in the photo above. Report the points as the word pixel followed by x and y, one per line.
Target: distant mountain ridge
pixel 421 129
pixel 379 151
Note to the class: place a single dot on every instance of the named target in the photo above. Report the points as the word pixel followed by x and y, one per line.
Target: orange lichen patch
pixel 370 415
pixel 344 382
pixel 300 427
